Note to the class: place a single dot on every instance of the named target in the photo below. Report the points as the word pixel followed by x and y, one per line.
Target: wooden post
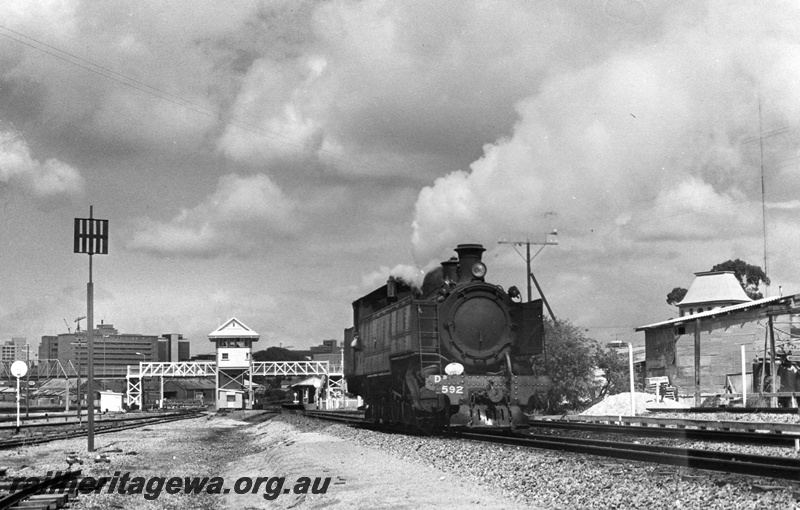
pixel 697 397
pixel 764 364
pixel 775 386
pixel 744 378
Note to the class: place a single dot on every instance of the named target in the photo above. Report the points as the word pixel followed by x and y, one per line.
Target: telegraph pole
pixel 529 274
pixel 548 241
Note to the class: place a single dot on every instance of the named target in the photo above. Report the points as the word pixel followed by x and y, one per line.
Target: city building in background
pixel 173 348
pixel 113 351
pixel 329 351
pixel 14 349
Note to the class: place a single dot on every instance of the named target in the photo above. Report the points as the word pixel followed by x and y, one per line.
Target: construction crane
pixel 69 331
pixel 78 320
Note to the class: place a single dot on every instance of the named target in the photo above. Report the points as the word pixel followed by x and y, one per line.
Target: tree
pixel 277 354
pixel 571 364
pixel 274 354
pixel 616 369
pixel 676 296
pixel 750 277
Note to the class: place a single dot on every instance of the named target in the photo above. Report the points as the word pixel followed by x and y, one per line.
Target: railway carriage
pixel 455 353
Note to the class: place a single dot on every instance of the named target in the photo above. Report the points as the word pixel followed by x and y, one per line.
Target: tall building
pixel 329 351
pixel 173 348
pixel 14 349
pixel 113 351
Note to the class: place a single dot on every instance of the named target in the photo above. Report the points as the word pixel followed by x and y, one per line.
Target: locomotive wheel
pixel 386 415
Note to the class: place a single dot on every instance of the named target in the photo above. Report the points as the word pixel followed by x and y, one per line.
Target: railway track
pixel 33 496
pixel 351 417
pixel 748 433
pixel 730 432
pixel 100 428
pixel 747 464
pixel 754 465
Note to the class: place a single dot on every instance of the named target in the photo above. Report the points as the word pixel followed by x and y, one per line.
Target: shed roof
pixel 718 311
pixel 714 287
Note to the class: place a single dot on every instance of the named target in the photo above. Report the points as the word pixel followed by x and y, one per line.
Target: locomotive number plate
pixel 457 390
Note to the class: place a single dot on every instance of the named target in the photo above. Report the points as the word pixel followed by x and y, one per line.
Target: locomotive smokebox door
pixel 475 324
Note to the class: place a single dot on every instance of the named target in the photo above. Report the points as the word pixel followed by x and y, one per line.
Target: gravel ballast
pixel 545 479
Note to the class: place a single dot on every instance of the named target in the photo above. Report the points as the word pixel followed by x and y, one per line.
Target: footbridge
pixel 332 373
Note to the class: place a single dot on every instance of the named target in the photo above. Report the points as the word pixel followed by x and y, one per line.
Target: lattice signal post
pixel 91 237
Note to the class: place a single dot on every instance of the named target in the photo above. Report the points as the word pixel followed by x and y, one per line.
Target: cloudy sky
pixel 273 161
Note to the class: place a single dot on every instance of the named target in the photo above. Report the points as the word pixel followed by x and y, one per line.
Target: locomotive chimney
pixel 468 256
pixel 450 270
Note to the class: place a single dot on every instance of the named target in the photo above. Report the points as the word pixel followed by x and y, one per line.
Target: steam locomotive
pixel 455 353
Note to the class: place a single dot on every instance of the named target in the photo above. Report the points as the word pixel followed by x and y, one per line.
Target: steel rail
pixel 103 430
pixel 345 417
pixel 54 423
pixel 754 465
pixel 14 499
pixel 740 463
pixel 733 436
pixel 732 410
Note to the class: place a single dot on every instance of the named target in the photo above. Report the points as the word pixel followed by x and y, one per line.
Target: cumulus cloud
pixel 120 73
pixel 43 180
pixel 242 214
pixel 269 124
pixel 654 141
pixel 693 210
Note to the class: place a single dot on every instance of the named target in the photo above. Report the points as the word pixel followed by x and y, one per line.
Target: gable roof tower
pixel 710 290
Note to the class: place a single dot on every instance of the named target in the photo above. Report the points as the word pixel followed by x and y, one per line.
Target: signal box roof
pixel 234 328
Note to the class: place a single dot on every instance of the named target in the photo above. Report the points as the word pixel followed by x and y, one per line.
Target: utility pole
pixel 549 240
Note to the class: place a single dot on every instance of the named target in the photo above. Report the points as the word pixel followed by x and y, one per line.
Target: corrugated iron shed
pixel 718 311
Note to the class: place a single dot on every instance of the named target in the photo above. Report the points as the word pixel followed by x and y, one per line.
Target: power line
pixel 156 92
pixel 528 259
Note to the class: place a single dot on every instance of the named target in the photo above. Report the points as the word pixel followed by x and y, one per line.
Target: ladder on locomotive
pixel 428 329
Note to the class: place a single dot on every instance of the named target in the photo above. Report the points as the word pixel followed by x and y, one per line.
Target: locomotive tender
pixel 455 353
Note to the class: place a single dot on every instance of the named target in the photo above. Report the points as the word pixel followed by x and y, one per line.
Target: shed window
pixel 225 356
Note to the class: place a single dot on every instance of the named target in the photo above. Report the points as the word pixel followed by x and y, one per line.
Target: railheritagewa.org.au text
pixel 151 488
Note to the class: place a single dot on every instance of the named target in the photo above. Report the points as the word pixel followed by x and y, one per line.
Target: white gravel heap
pixel 620 404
